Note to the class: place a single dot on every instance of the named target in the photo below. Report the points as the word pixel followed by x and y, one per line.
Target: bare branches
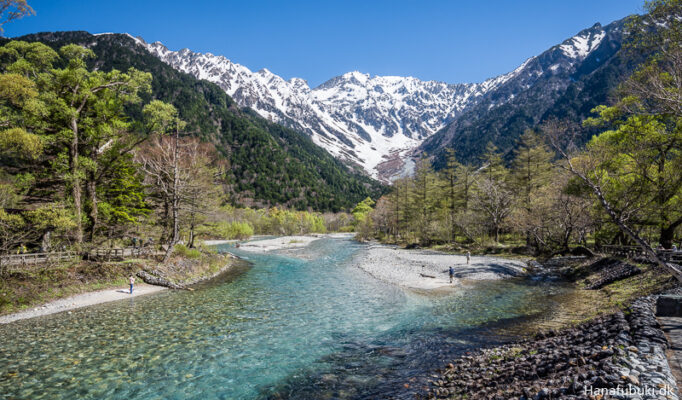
pixel 11 10
pixel 181 174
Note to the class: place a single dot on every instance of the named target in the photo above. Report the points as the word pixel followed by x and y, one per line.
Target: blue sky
pixel 452 41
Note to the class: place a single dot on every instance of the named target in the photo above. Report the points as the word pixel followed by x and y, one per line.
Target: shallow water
pixel 310 327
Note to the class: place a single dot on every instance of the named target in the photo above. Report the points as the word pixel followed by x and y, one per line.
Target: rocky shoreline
pixel 184 273
pixel 618 356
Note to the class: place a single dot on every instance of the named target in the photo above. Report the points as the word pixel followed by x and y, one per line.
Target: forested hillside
pixel 561 186
pixel 552 85
pixel 269 164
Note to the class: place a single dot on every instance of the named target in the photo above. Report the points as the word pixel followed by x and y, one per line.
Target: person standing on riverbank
pixel 452 274
pixel 132 281
pixel 468 257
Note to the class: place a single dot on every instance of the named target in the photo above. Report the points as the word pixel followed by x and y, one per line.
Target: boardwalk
pixel 105 254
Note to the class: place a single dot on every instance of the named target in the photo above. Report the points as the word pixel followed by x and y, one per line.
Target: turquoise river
pixel 312 326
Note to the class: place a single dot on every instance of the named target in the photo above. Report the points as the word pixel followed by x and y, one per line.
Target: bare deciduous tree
pixel 494 199
pixel 11 10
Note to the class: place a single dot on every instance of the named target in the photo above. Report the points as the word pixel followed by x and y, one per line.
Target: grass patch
pixel 651 280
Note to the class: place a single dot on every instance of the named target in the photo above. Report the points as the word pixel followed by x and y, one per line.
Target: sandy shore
pixel 279 243
pixel 216 242
pixel 82 300
pixel 420 269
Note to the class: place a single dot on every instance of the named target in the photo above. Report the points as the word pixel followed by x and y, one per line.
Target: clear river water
pixel 310 327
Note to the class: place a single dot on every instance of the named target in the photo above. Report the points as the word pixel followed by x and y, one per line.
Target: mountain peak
pixel 357 76
pixel 376 121
pixel 582 44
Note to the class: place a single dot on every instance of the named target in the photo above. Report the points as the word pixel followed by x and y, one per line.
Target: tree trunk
pixel 175 205
pixel 45 243
pixel 668 234
pixel 165 228
pixel 91 190
pixel 190 242
pixel 75 180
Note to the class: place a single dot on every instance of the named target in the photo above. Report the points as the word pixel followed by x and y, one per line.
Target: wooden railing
pixel 37 258
pixel 122 253
pixel 636 252
pixel 97 253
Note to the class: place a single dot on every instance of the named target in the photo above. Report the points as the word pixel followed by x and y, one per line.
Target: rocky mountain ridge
pixel 380 122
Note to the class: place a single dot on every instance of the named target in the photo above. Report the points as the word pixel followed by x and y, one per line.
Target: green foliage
pixel 279 221
pixel 270 165
pixel 362 210
pixel 68 124
pixel 51 217
pixel 180 250
pixel 123 200
pixel 17 143
pixel 29 226
pixel 231 230
pixel 241 223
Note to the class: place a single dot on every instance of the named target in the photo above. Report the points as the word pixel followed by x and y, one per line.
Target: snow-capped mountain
pixel 565 81
pixel 371 121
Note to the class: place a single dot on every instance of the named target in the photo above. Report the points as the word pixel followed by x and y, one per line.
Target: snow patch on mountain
pixel 369 121
pixel 581 45
pixel 357 117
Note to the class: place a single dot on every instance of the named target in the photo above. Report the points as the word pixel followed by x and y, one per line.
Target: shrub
pixel 234 230
pixel 182 251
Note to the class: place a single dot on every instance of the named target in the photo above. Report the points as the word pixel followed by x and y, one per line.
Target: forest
pixel 623 187
pixel 94 150
pixel 77 172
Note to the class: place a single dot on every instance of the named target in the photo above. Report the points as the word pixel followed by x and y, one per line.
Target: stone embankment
pixel 182 273
pixel 619 356
pixel 609 270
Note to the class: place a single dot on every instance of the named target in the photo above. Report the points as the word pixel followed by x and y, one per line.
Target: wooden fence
pixel 108 254
pixel 636 252
pixel 123 253
pixel 37 258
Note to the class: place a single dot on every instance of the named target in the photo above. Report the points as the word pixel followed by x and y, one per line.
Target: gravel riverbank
pixel 424 269
pixel 619 356
pixel 155 278
pixel 278 243
pixel 82 300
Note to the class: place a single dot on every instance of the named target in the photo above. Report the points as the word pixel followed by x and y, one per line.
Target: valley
pixel 378 122
pixel 185 224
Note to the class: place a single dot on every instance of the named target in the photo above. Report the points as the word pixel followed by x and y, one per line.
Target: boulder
pixel 669 306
